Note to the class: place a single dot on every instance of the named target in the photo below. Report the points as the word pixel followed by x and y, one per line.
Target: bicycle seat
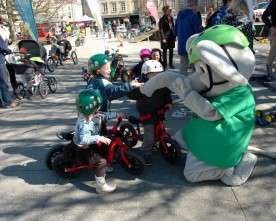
pixel 133 119
pixel 66 135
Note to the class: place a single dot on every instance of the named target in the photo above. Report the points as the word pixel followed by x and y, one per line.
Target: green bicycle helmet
pixel 87 101
pixel 221 35
pixel 97 61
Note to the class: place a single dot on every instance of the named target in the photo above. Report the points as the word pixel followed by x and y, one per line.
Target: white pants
pixel 196 170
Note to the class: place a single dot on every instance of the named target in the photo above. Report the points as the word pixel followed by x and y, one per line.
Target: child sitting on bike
pixel 160 99
pixel 145 55
pixel 87 136
pixel 156 54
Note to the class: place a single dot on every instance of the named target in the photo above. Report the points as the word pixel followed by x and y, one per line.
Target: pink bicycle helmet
pixel 145 53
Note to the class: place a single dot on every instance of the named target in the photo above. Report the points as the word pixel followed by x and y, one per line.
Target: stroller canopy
pixel 33 48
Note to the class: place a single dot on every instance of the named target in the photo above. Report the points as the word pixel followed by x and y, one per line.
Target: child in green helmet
pixel 99 66
pixel 87 134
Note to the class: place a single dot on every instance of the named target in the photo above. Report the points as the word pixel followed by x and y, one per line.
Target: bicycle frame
pixel 115 143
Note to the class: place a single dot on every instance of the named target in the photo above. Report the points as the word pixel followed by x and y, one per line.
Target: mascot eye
pixel 202 70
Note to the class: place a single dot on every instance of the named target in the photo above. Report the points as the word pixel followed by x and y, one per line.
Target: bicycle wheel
pixel 51 64
pixel 52 84
pixel 173 155
pixel 20 91
pixel 51 154
pixel 59 168
pixel 129 134
pixel 125 76
pixel 77 43
pixel 137 163
pixel 74 57
pixel 43 89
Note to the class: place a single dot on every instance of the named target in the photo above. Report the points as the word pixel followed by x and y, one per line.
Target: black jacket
pixel 149 105
pixel 270 11
pixel 166 32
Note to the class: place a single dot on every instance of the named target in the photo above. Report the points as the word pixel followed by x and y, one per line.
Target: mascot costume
pixel 217 137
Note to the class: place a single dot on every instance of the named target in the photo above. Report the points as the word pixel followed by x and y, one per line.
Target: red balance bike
pixel 168 148
pixel 129 160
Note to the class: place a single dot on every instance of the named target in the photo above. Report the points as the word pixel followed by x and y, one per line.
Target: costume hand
pixel 104 140
pixel 120 114
pixel 182 87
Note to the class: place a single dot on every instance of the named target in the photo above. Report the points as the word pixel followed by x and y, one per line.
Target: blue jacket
pixel 219 15
pixel 3 50
pixel 108 91
pixel 186 25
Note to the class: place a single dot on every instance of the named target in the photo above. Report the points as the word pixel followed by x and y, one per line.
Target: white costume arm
pixel 193 100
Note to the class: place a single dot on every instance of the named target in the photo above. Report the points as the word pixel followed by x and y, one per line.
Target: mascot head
pixel 222 58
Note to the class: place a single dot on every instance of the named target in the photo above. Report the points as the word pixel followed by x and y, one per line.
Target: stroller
pixel 29 63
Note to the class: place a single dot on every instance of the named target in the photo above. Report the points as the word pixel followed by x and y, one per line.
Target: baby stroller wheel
pixel 43 89
pixel 20 91
pixel 52 84
pixel 59 167
pixel 173 155
pixel 51 64
pixel 74 57
pixel 51 154
pixel 137 163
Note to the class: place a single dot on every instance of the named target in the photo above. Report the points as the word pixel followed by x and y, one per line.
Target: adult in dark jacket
pixel 5 95
pixel 167 38
pixel 186 25
pixel 269 18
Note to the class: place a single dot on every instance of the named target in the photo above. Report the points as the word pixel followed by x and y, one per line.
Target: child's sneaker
pixel 109 169
pixel 148 160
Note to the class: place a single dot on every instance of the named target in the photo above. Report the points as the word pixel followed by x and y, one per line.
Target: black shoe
pixel 172 67
pixel 148 160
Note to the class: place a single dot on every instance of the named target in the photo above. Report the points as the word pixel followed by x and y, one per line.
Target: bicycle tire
pixel 52 84
pixel 51 64
pixel 20 91
pixel 51 154
pixel 43 89
pixel 128 131
pixel 137 163
pixel 59 168
pixel 74 57
pixel 174 153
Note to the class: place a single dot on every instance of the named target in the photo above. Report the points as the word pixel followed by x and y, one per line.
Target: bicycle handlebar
pixel 158 113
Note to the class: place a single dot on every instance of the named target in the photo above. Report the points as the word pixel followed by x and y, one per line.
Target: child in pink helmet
pixel 145 55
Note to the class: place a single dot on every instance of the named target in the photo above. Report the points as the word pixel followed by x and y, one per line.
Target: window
pixel 135 6
pixel 105 9
pixel 113 7
pixel 123 6
pixel 164 2
pixel 156 3
pixel 173 3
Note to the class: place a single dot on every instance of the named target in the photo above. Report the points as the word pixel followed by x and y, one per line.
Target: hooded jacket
pixel 186 25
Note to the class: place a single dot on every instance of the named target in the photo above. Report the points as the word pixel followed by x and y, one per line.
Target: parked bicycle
pixel 168 148
pixel 118 66
pixel 128 159
pixel 58 54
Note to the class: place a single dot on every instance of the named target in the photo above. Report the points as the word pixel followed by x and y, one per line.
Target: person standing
pixel 269 18
pixel 208 17
pixel 5 95
pixel 166 26
pixel 186 25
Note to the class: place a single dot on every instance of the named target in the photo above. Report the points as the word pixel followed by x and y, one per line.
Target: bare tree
pixel 42 8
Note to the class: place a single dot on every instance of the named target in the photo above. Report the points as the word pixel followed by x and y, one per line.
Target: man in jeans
pixel 186 25
pixel 271 24
pixel 5 95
